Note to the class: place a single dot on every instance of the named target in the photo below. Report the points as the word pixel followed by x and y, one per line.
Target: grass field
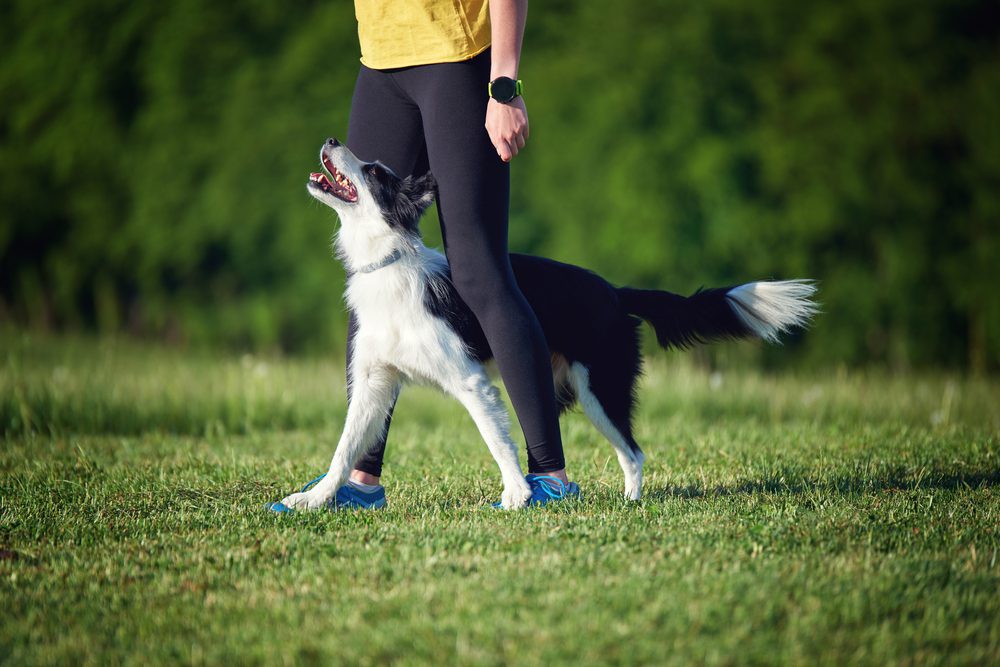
pixel 839 518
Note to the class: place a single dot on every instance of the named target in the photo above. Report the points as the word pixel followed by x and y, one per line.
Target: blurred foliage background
pixel 154 159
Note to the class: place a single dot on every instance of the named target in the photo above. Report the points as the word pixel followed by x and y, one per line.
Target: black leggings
pixel 432 116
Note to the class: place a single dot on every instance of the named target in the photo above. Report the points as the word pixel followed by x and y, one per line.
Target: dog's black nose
pixel 333 142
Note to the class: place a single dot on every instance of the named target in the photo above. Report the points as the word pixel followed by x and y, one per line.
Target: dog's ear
pixel 421 190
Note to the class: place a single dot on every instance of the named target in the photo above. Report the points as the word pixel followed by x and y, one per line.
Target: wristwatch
pixel 504 89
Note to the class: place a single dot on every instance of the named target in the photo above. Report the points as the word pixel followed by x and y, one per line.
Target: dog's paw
pixel 305 501
pixel 515 496
pixel 633 478
pixel 633 486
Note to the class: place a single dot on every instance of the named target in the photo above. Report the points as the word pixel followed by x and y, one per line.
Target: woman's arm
pixel 507 124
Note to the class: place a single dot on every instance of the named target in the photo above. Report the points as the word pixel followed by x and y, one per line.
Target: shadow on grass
pixel 792 483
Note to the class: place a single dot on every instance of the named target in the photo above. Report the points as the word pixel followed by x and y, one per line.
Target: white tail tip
pixel 772 307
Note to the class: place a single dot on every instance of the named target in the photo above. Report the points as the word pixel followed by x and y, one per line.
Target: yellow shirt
pixel 400 33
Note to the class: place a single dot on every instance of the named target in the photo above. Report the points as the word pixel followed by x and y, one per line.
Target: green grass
pixel 837 518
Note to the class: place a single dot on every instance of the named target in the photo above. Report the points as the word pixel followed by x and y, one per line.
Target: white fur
pixel 770 308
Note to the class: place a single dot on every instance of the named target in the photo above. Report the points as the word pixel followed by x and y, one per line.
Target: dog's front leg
pixel 482 400
pixel 373 390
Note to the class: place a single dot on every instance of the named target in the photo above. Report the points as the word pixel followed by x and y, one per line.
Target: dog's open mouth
pixel 340 187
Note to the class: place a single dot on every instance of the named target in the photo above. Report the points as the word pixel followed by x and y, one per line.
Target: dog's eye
pixel 372 169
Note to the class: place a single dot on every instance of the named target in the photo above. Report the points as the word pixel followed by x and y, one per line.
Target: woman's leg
pixel 384 125
pixel 473 193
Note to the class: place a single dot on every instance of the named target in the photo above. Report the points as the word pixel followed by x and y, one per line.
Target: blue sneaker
pixel 351 497
pixel 547 488
pixel 348 497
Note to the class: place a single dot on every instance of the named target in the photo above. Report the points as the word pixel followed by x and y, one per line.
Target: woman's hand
pixel 507 125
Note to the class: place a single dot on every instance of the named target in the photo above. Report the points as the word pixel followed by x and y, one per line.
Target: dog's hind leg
pixel 374 388
pixel 615 427
pixel 481 399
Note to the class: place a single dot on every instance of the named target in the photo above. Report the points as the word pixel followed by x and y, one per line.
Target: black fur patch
pixel 681 322
pixel 401 200
pixel 442 301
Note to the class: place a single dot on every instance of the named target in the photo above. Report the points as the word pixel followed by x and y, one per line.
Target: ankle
pixel 365 477
pixel 560 474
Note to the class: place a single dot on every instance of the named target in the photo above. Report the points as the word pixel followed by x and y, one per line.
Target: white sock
pixel 364 488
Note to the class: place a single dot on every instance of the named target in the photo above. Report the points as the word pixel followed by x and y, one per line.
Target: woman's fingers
pixel 504 150
pixel 509 145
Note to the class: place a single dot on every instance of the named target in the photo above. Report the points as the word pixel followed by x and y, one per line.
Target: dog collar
pixel 382 263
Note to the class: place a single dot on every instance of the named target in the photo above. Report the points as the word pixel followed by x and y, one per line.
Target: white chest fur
pixel 394 324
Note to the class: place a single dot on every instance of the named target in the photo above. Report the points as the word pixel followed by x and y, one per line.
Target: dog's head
pixel 369 193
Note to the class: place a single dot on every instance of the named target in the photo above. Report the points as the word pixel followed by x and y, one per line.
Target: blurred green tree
pixel 153 161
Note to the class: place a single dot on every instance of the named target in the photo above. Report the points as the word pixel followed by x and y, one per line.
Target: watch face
pixel 503 89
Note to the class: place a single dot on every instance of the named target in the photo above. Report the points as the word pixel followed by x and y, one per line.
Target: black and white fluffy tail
pixel 763 310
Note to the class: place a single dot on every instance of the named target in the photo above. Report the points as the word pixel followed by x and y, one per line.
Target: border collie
pixel 413 327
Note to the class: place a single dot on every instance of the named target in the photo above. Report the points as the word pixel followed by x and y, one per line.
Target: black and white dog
pixel 413 327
